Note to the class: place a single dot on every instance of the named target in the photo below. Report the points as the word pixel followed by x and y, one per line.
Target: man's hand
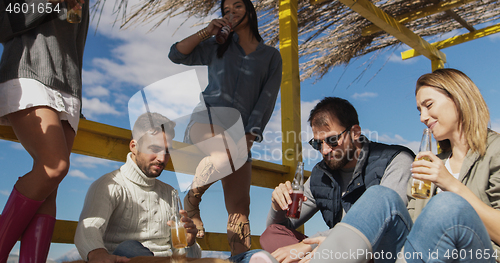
pixel 101 255
pixel 292 253
pixel 310 241
pixel 281 196
pixel 190 227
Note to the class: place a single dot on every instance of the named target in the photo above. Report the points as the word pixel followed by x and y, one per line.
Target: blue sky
pixel 118 63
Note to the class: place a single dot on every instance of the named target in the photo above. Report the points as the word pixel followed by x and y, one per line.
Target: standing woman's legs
pixel 48 141
pixel 237 198
pixel 208 138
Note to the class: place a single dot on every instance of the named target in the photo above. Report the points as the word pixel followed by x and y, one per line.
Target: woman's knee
pixel 54 169
pixel 450 204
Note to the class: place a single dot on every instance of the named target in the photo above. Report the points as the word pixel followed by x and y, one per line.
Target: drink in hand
pixel 73 15
pixel 223 33
pixel 298 192
pixel 179 236
pixel 177 230
pixel 422 188
pixel 294 207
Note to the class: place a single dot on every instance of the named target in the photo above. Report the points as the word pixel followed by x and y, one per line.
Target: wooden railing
pixel 112 143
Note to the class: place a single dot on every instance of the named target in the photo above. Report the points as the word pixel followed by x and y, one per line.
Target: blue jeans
pixel 448 229
pixel 132 248
pixel 244 257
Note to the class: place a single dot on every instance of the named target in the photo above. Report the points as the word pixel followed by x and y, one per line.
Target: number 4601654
pixel 25 8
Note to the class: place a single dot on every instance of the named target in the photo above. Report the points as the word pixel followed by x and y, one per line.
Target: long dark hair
pixel 252 20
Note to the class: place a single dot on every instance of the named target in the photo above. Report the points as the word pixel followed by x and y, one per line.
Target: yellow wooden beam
pixel 218 242
pixel 437 64
pixel 387 23
pixel 64 233
pixel 419 13
pixel 290 85
pixel 455 40
pixel 112 143
pixel 290 88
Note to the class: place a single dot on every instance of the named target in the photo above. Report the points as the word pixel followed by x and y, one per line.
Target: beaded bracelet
pixel 203 34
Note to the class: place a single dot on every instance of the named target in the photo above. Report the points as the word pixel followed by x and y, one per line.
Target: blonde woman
pixel 460 222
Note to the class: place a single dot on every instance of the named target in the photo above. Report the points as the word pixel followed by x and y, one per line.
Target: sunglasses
pixel 332 141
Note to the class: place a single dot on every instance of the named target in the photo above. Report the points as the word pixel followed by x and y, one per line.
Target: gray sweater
pixel 43 46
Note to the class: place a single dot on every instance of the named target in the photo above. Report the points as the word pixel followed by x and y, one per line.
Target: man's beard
pixel 146 168
pixel 339 161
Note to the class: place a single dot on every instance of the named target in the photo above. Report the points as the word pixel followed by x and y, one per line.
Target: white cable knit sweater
pixel 127 205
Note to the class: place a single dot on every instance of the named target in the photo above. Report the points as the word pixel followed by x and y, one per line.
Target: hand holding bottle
pixel 297 194
pixel 178 232
pixel 216 24
pixel 74 10
pixel 422 188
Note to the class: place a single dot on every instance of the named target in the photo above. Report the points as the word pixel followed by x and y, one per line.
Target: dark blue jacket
pixel 326 184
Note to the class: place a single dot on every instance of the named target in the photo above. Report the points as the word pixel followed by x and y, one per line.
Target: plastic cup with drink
pixel 297 194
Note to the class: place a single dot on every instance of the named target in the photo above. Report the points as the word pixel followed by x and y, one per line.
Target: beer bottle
pixel 422 188
pixel 178 232
pixel 298 192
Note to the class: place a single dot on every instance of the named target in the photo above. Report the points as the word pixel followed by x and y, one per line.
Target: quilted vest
pixel 325 183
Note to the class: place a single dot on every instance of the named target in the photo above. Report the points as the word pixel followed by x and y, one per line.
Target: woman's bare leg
pixel 237 198
pixel 49 142
pixel 215 165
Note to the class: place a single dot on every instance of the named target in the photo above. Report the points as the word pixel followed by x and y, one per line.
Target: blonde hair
pixel 472 109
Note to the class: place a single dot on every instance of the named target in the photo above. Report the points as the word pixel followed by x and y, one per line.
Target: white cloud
pixel 17 146
pixel 4 192
pixel 396 58
pixel 364 95
pixel 93 107
pixel 93 77
pixel 79 174
pixel 392 139
pixel 140 56
pixel 90 162
pixel 97 91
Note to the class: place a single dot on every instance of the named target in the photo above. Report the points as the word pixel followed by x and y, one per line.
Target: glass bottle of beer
pixel 74 15
pixel 223 33
pixel 422 188
pixel 298 192
pixel 178 232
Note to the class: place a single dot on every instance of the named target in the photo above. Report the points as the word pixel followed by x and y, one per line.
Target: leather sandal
pixel 193 211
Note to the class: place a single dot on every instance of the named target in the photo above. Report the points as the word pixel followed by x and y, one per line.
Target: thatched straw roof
pixel 329 33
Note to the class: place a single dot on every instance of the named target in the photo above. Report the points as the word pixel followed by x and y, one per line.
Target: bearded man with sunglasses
pixel 351 163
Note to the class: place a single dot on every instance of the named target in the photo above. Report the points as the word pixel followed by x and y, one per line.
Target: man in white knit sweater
pixel 126 211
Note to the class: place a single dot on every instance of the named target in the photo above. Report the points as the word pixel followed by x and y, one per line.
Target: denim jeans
pixel 448 229
pixel 132 248
pixel 244 257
